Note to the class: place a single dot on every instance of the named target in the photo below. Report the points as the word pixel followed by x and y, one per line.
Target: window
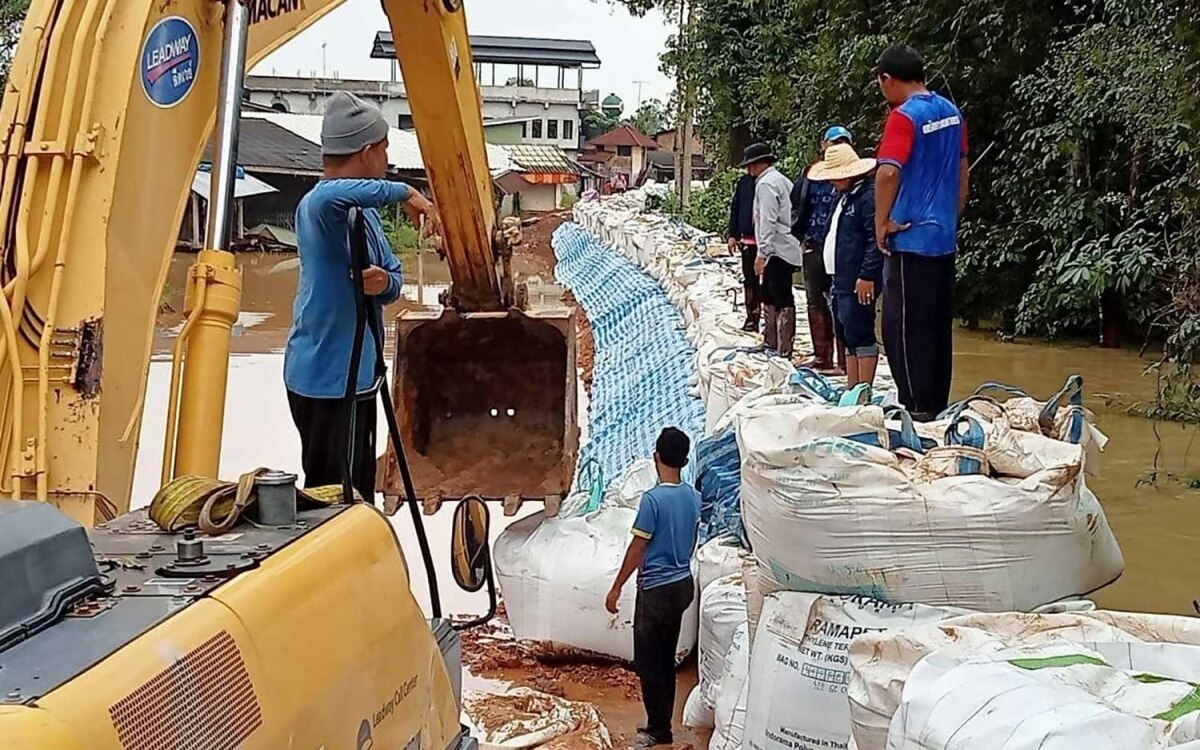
pixel 524 130
pixel 624 150
pixel 537 129
pixel 405 122
pixel 552 129
pixel 568 130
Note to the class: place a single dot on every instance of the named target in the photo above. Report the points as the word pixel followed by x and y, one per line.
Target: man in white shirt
pixel 780 254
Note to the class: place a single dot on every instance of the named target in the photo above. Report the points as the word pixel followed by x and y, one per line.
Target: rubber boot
pixel 770 328
pixel 752 308
pixel 820 327
pixel 787 332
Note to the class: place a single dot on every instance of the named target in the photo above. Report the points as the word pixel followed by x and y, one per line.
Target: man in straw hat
pixel 779 252
pixel 354 140
pixel 852 257
pixel 921 190
pixel 812 207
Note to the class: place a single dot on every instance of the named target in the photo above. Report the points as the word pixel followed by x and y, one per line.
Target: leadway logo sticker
pixel 170 61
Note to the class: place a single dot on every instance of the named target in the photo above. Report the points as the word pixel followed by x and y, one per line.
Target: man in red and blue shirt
pixel 921 190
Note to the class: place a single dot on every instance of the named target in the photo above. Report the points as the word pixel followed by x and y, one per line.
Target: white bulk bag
pixel 1061 696
pixel 722 612
pixel 636 481
pixel 735 376
pixel 881 662
pixel 799 669
pixel 716 559
pixel 732 694
pixel 554 574
pixel 826 511
pixel 696 713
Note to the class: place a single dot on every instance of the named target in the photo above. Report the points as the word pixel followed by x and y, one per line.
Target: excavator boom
pixel 302 634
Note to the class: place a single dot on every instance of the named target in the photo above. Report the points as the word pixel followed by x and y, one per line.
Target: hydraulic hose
pixel 368 316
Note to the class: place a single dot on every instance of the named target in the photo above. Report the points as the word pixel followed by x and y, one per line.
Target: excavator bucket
pixel 486 404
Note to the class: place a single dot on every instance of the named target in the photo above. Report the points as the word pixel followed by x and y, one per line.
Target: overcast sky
pixel 628 47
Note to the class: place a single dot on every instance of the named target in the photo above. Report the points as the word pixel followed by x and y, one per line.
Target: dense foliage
pixel 1085 215
pixel 651 117
pixel 12 16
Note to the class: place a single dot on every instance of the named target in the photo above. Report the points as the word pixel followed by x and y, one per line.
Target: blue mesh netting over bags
pixel 644 368
pixel 719 479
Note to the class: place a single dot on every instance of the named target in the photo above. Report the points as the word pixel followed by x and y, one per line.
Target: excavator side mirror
pixel 471 554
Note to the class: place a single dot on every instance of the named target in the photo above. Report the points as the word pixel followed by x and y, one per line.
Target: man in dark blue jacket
pixel 853 258
pixel 812 207
pixel 742 240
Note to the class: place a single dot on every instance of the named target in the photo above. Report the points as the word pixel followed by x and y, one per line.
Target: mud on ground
pixel 492 652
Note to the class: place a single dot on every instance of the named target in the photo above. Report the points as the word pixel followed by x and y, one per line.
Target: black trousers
pixel 324 441
pixel 777 289
pixel 750 278
pixel 918 328
pixel 817 282
pixel 657 620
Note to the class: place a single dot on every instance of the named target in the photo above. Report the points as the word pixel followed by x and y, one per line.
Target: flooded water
pixel 1157 525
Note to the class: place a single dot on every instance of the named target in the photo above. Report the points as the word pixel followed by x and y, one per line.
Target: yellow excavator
pixel 296 628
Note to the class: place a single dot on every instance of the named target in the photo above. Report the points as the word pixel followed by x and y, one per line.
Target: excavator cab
pixel 486 403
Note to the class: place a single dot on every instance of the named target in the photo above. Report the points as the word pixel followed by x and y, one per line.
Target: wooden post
pixel 684 127
pixel 420 277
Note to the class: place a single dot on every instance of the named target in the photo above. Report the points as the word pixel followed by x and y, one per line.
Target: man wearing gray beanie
pixel 354 142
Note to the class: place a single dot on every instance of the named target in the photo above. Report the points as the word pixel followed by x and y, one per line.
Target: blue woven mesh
pixel 644 364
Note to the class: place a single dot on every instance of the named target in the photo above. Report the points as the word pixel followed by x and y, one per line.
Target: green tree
pixel 652 117
pixel 1083 117
pixel 12 16
pixel 597 123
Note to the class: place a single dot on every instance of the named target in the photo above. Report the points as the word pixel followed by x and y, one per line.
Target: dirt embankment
pixel 538 253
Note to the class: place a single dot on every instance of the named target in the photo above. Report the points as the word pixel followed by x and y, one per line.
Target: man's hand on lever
pixel 418 207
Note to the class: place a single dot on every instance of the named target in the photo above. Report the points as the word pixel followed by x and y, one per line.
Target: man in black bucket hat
pixel 779 252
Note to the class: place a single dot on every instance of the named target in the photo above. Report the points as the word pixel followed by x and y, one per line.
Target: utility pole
pixel 639 98
pixel 685 126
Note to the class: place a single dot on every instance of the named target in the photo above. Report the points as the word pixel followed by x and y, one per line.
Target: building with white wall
pixel 537 83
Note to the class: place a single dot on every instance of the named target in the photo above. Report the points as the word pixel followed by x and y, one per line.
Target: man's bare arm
pixel 633 560
pixel 887 187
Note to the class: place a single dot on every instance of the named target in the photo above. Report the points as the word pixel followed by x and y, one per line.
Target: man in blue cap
pixel 812 208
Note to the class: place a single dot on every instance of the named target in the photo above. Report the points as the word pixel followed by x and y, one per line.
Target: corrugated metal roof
pixel 264 146
pixel 512 50
pixel 541 159
pixel 282 235
pixel 245 186
pixel 404 152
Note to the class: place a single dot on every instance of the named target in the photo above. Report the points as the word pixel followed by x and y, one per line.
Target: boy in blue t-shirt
pixel 664 538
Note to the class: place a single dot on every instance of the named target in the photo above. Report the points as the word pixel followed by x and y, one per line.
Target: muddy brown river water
pixel 1158 525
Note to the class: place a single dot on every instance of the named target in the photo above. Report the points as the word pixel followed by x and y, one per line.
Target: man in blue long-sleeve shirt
pixel 354 139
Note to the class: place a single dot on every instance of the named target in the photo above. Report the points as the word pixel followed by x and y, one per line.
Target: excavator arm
pixel 106 114
pixel 130 637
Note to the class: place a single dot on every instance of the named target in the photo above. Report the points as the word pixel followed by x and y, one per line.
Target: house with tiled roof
pixel 622 151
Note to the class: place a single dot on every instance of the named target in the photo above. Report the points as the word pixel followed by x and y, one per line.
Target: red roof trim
pixel 625 135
